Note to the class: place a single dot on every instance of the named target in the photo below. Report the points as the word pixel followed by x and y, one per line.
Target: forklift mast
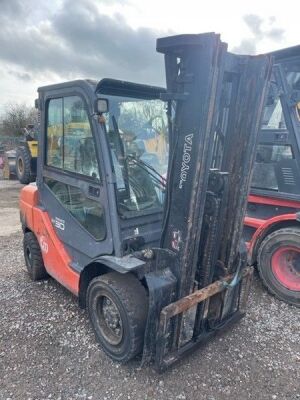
pixel 217 100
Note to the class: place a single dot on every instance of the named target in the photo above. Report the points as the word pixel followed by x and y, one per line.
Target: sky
pixel 43 42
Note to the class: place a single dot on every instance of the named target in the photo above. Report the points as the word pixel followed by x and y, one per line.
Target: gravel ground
pixel 9 215
pixel 48 351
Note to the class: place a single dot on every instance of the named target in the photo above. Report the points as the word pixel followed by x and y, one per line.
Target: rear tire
pixel 23 165
pixel 117 306
pixel 33 257
pixel 279 264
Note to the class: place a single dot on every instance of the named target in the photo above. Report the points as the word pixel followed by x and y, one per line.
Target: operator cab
pixel 104 155
pixel 277 168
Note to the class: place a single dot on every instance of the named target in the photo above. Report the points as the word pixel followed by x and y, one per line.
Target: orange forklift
pixel 160 264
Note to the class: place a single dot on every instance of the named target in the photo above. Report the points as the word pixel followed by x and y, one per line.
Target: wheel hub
pixel 20 166
pixel 110 321
pixel 286 267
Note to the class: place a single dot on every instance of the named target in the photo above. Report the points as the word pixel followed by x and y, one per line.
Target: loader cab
pixel 103 161
pixel 277 168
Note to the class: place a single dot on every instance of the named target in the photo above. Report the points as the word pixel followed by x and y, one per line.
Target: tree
pixel 16 117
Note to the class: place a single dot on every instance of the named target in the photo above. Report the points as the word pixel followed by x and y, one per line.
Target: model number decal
pixel 186 158
pixel 58 223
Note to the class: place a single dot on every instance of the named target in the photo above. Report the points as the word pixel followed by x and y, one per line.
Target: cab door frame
pixel 81 245
pixel 287 136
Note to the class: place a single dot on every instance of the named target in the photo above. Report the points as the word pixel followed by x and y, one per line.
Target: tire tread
pixel 37 271
pixel 25 154
pixel 287 231
pixel 133 296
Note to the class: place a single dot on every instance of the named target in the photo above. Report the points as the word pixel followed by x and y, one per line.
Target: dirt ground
pixel 48 350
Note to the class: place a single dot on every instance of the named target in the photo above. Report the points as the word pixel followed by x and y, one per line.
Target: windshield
pixel 138 137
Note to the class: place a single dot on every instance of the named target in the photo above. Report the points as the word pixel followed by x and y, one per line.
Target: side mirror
pixel 101 106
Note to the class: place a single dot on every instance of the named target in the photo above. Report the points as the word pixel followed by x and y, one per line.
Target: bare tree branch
pixel 16 117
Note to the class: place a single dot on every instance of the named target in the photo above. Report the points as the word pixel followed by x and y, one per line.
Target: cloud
pixel 77 41
pixel 276 34
pixel 11 9
pixel 254 23
pixel 23 76
pixel 261 29
pixel 247 46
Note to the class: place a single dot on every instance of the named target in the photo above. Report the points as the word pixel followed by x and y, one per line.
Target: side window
pixel 79 148
pixel 273 117
pixel 70 143
pixel 89 213
pixel 55 133
pixel 292 73
pixel 270 159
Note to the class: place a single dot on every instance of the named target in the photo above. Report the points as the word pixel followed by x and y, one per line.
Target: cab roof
pixel 109 86
pixel 286 53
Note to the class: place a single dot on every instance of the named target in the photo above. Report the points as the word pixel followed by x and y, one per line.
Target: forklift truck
pixel 272 223
pixel 159 264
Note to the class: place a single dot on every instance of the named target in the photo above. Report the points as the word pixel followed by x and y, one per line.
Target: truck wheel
pixel 23 168
pixel 33 257
pixel 279 264
pixel 117 307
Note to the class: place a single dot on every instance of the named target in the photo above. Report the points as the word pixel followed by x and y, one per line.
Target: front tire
pixel 23 165
pixel 117 307
pixel 33 257
pixel 279 264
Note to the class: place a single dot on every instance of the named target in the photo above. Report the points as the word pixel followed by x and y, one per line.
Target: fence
pixel 9 142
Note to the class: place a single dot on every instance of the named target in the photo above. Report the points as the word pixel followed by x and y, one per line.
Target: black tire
pixel 129 300
pixel 33 257
pixel 278 263
pixel 23 165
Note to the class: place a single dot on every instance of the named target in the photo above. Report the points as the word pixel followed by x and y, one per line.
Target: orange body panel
pixel 56 259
